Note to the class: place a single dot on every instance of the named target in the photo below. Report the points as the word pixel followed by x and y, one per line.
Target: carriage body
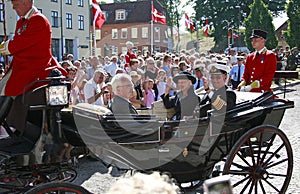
pixel 187 149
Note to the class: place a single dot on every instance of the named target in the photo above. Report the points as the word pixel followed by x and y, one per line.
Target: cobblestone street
pixel 98 179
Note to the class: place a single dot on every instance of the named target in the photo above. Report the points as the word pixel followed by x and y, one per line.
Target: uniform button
pixel 253 68
pixel 252 72
pixel 251 76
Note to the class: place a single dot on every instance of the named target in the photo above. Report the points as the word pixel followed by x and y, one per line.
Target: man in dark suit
pixel 122 87
pixel 260 65
pixel 220 97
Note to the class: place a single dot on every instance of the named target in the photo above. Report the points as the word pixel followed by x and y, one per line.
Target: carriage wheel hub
pixel 261 173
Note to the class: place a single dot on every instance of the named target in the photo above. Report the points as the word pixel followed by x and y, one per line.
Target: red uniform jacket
pixel 31 51
pixel 128 57
pixel 261 68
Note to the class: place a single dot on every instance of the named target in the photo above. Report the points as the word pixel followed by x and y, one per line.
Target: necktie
pixel 239 74
pixel 198 84
pixel 257 54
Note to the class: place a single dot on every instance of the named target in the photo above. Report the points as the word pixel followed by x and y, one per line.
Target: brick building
pixel 130 21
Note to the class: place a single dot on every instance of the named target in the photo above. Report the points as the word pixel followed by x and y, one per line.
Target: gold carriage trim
pixel 219 103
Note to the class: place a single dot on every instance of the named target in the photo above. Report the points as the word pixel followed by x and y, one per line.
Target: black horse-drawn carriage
pixel 246 139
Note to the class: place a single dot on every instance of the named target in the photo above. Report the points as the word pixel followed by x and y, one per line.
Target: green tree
pixel 292 34
pixel 261 18
pixel 219 12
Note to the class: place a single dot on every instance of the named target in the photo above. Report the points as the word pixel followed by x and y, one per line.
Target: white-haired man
pixel 122 88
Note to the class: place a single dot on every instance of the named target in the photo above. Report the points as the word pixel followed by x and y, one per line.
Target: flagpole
pixel 152 31
pixel 94 40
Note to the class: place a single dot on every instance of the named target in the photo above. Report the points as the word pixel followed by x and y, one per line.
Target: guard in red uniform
pixel 260 65
pixel 30 48
pixel 129 55
pixel 32 60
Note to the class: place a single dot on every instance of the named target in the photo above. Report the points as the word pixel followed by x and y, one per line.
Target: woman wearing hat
pixel 220 97
pixel 185 100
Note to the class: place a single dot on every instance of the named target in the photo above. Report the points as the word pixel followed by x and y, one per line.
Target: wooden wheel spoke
pixel 272 186
pixel 246 186
pixel 251 152
pixel 274 153
pixel 259 148
pixel 276 163
pixel 268 147
pixel 262 187
pixel 241 157
pixel 240 173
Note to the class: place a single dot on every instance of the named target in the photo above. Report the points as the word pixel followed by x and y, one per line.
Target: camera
pixel 217 185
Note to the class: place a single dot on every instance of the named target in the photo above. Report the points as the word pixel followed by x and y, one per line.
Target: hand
pixel 205 82
pixel 243 83
pixel 3 48
pixel 248 88
pixel 255 84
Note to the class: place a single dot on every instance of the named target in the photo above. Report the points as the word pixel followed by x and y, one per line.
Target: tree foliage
pixel 233 12
pixel 292 34
pixel 261 18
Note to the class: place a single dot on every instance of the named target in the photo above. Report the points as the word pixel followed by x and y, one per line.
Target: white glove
pixel 255 84
pixel 4 48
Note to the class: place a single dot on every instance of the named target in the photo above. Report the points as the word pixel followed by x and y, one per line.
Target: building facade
pixel 131 21
pixel 70 21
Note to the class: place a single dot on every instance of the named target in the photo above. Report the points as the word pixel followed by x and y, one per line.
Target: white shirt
pixel 89 91
pixel 111 68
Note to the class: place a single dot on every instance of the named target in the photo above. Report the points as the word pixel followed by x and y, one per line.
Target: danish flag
pixel 189 23
pixel 158 17
pixel 98 15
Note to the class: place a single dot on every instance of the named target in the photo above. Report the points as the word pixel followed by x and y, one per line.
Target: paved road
pixel 98 179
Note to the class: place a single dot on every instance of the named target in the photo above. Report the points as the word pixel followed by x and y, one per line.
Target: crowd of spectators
pixel 150 75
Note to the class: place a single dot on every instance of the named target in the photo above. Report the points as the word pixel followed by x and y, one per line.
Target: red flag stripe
pixel 99 17
pixel 158 17
pixel 189 23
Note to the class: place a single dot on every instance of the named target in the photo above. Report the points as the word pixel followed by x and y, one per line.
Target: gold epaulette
pixel 218 103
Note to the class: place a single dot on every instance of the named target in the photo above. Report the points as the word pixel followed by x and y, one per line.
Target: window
pixel 53 0
pixel 55 47
pixel 124 33
pixel 68 21
pixel 54 19
pixel 80 22
pixel 114 33
pixel 69 2
pixel 156 34
pixel 134 32
pixel 69 46
pixel 40 10
pixel 1 12
pixel 145 32
pixel 120 14
pixel 80 3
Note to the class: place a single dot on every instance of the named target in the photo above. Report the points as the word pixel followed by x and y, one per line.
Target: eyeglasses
pixel 127 86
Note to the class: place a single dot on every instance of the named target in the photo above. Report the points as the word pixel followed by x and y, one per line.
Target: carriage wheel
pixel 261 161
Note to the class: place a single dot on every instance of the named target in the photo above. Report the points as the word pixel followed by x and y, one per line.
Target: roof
pixel 136 11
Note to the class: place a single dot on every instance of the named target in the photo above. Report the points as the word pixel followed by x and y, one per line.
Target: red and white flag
pixel 189 23
pixel 206 28
pixel 98 16
pixel 235 35
pixel 158 17
pixel 229 34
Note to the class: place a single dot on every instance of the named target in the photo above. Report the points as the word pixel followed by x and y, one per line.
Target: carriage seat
pixel 123 129
pixel 99 110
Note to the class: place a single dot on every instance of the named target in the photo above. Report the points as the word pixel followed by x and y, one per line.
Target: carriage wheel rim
pixel 260 174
